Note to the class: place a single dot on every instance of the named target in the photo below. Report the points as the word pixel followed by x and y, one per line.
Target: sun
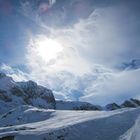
pixel 47 48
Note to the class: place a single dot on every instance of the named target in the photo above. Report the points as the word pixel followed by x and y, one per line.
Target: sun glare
pixel 48 49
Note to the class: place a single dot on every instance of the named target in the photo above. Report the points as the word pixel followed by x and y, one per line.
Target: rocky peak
pixel 136 101
pixel 28 84
pixel 112 106
pixel 14 94
pixel 130 103
pixel 76 105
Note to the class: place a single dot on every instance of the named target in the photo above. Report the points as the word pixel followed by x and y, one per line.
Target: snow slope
pixel 133 133
pixel 31 123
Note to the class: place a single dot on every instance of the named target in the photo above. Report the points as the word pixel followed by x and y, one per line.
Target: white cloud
pixel 119 87
pixel 92 49
pixel 15 73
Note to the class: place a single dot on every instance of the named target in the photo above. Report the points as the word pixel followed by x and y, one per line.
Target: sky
pixel 84 50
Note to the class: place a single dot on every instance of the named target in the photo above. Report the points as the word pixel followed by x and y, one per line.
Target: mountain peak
pixel 14 94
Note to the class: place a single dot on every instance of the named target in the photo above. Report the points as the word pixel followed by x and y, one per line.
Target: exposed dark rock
pixel 132 103
pixel 112 106
pixel 24 93
pixel 4 97
pixel 17 91
pixel 136 101
pixel 76 105
pixel 7 138
pixel 33 91
pixel 87 107
pixel 129 103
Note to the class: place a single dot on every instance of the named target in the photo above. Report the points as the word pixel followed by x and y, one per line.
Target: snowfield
pixel 31 123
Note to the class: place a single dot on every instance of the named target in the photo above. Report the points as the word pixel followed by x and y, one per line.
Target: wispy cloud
pixel 93 49
pixel 15 73
pixel 120 86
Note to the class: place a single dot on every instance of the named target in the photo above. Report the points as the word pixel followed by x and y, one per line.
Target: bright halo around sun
pixel 47 48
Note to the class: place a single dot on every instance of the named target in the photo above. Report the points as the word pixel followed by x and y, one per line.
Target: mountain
pixel 31 123
pixel 13 94
pixel 75 105
pixel 132 103
pixel 112 106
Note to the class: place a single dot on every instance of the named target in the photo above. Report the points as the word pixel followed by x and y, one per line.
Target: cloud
pixel 120 87
pixel 94 46
pixel 101 38
pixel 15 73
pixel 101 86
pixel 93 49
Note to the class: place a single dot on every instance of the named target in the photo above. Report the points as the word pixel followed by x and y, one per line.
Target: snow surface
pixel 30 123
pixel 133 133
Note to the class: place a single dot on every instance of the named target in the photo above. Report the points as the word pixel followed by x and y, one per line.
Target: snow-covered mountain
pixel 132 103
pixel 30 93
pixel 75 105
pixel 13 94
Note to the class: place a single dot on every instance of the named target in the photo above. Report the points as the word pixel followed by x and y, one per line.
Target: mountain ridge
pixel 14 94
pixel 23 116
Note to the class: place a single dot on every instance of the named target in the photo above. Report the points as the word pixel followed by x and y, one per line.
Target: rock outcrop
pixel 112 106
pixel 131 103
pixel 13 94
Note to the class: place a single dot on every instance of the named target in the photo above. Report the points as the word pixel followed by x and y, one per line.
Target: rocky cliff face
pixel 112 106
pixel 13 94
pixel 37 95
pixel 132 103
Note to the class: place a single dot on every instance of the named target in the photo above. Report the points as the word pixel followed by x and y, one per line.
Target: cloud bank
pixel 95 45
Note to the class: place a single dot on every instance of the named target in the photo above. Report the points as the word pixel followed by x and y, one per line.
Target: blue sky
pixel 96 42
